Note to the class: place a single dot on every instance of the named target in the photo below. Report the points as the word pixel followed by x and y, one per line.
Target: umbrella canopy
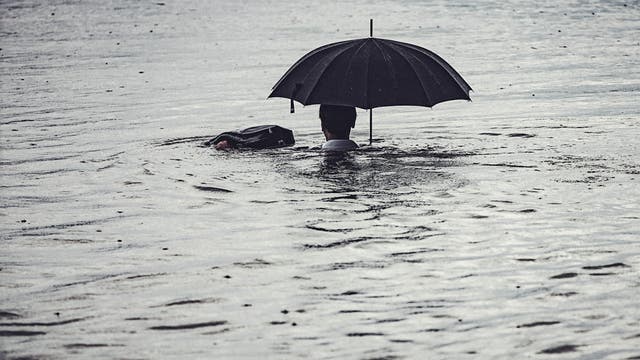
pixel 369 73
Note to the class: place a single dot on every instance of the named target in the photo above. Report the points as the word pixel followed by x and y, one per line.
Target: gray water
pixel 507 227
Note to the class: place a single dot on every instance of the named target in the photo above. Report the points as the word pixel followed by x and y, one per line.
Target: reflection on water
pixel 375 170
pixel 337 163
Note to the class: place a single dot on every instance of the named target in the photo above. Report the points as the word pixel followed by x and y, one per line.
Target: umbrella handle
pixel 293 94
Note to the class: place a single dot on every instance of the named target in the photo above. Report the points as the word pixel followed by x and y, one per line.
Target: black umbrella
pixel 369 73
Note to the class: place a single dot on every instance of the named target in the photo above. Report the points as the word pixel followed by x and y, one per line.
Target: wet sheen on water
pixel 506 227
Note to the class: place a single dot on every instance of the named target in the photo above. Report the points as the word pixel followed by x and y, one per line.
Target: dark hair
pixel 338 119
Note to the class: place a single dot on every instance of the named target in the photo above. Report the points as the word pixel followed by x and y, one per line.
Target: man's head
pixel 337 120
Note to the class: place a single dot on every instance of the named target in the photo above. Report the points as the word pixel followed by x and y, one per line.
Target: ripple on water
pixel 560 349
pixel 189 326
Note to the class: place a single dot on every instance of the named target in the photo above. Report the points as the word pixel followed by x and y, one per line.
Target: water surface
pixel 507 227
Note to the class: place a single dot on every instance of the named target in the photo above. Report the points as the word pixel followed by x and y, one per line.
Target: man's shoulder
pixel 339 145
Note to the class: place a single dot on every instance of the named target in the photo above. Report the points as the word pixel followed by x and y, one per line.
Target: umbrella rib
pixel 345 78
pixel 424 90
pixel 367 88
pixel 443 63
pixel 305 57
pixel 387 60
pixel 313 88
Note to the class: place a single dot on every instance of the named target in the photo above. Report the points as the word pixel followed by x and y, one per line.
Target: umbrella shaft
pixel 370 126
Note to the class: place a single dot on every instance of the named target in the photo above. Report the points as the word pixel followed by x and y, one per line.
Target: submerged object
pixel 256 137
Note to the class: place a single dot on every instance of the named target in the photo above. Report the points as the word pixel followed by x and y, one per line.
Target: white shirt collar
pixel 339 145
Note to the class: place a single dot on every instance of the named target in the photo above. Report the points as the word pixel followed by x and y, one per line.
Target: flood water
pixel 506 227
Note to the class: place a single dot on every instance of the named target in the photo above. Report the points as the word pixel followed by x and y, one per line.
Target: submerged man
pixel 337 122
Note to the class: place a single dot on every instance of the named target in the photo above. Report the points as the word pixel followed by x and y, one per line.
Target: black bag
pixel 256 137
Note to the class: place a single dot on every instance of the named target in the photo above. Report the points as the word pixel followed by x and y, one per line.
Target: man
pixel 337 122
